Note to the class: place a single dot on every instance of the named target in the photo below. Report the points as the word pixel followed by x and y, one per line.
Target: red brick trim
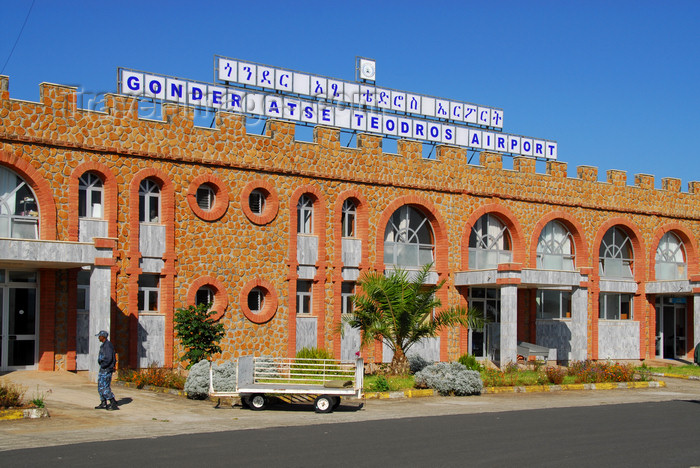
pixel 689 243
pixel 167 280
pixel 220 295
pixel 104 261
pixel 220 197
pixel 42 191
pixel 575 228
pixel 271 207
pixel 507 218
pixel 319 286
pixel 362 233
pixel 639 269
pixel 109 188
pixel 47 320
pixel 269 303
pixel 72 319
pixel 508 281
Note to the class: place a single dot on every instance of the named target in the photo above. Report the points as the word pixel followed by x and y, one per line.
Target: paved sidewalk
pixel 147 414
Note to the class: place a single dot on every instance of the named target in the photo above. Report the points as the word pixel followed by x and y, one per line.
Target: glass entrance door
pixel 18 324
pixel 671 327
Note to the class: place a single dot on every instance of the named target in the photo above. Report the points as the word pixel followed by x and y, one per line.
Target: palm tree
pixel 401 311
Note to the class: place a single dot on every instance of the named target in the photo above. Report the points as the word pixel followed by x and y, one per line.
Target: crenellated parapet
pixel 117 128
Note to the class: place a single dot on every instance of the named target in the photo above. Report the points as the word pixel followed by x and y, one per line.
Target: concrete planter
pixel 28 413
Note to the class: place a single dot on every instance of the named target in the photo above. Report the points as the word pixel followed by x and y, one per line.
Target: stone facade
pixel 231 250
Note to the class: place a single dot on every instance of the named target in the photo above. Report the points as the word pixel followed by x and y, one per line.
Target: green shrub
pixel 11 395
pixel 380 384
pixel 470 362
pixel 313 353
pixel 198 332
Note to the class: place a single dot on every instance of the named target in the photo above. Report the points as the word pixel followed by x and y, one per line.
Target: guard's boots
pixel 112 405
pixel 102 405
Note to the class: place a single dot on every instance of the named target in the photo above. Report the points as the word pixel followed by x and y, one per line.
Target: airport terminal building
pixel 113 221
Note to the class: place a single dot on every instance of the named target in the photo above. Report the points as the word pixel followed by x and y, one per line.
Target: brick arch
pixel 574 227
pixel 109 187
pixel 441 242
pixel 689 242
pixel 220 296
pixel 271 201
pixel 508 218
pixel 437 223
pixel 167 283
pixel 42 190
pixel 318 295
pixel 361 232
pixel 637 244
pixel 361 225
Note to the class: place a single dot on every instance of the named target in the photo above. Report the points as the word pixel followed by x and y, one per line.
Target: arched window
pixel 256 201
pixel 555 248
pixel 256 300
pixel 616 255
pixel 305 215
pixel 19 212
pixel 149 201
pixel 670 258
pixel 408 239
pixel 489 243
pixel 349 215
pixel 90 193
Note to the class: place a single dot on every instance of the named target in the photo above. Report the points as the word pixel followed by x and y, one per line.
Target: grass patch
pixel 689 370
pixel 11 395
pixel 375 383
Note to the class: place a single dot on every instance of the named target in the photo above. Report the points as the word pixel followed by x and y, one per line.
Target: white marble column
pixel 100 301
pixel 579 325
pixel 509 324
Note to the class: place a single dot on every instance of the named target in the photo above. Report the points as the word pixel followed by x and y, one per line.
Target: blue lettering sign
pixel 274 108
pixel 434 131
pixel 457 112
pixel 319 88
pixel 334 87
pixel 309 112
pixel 441 110
pixel 228 69
pixel 501 143
pixel 496 118
pixel 326 115
pixel 250 72
pixel 383 98
pixel 405 128
pixel 551 150
pixel 448 134
pixel 285 84
pixel 176 90
pixel 236 100
pixel 513 144
pixel 390 124
pixel 368 96
pixel 265 78
pixel 398 101
pixel 154 86
pixel 359 119
pixel 475 140
pixel 527 146
pixel 420 129
pixel 539 149
pixel 133 83
pixel 216 97
pixel 292 108
pixel 414 104
pixel 374 122
pixel 196 94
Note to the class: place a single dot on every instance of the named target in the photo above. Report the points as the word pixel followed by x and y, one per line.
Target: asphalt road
pixel 637 434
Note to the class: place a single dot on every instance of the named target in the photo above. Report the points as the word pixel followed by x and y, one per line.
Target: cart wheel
pixel 336 403
pixel 323 404
pixel 257 402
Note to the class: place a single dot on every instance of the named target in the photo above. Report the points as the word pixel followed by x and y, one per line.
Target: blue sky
pixel 615 83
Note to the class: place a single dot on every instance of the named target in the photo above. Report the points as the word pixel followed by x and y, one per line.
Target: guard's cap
pixel 103 333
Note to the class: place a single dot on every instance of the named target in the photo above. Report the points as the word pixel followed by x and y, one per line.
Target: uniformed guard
pixel 107 360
